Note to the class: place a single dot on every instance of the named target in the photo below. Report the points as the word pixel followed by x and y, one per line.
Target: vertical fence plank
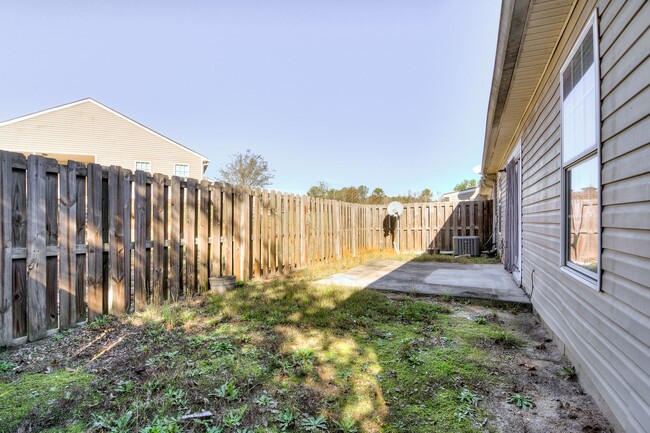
pixel 202 234
pixel 36 244
pixel 82 257
pixel 246 233
pixel 190 236
pixel 264 205
pixel 140 237
pixel 273 232
pixel 215 230
pixel 256 200
pixel 6 244
pixel 175 276
pixel 95 242
pixel 127 205
pixel 118 298
pixel 52 240
pixel 159 204
pixel 227 230
pixel 68 246
pixel 18 272
pixel 237 231
pixel 303 231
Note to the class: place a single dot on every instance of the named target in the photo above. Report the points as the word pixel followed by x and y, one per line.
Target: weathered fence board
pixel 140 237
pixel 6 243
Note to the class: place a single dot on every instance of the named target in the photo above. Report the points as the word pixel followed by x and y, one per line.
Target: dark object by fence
pixel 221 284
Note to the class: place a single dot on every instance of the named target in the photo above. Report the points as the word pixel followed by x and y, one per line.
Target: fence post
pixel 6 251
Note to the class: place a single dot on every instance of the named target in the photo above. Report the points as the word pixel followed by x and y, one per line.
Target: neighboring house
pixel 464 195
pixel 567 161
pixel 87 131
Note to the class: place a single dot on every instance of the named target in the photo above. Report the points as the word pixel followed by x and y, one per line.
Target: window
pixel 182 170
pixel 580 157
pixel 143 165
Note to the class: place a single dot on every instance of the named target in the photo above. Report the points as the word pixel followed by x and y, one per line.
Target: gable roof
pixel 529 31
pixel 110 110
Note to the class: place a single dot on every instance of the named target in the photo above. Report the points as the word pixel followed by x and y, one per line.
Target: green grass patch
pixel 38 394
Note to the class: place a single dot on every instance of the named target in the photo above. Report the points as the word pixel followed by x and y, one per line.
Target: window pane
pixel 579 105
pixel 182 170
pixel 142 165
pixel 582 180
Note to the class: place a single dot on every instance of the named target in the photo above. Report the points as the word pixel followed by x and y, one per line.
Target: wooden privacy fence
pixel 79 241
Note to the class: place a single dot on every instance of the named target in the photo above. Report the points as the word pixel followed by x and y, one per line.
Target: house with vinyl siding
pixel 567 161
pixel 89 132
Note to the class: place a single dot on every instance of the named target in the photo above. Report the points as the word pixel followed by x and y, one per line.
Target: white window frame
pixel 176 164
pixel 587 277
pixel 141 162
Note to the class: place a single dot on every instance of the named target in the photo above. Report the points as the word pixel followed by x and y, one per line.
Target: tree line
pixel 251 170
pixel 361 194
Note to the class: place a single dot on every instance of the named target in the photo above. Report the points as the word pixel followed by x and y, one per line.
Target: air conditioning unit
pixel 467 245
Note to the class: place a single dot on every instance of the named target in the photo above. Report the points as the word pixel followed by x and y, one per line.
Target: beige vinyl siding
pixel 87 128
pixel 605 334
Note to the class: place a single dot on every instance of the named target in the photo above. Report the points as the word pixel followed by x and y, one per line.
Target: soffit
pixel 543 21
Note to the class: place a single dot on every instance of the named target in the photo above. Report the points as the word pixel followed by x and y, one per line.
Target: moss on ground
pixel 38 395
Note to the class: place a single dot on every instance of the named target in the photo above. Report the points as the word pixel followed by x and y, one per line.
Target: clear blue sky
pixel 386 93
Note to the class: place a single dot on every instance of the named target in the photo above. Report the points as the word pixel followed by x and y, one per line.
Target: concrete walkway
pixel 490 282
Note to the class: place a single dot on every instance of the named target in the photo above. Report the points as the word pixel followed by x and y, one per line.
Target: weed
pixel 6 366
pixel 285 419
pixel 227 391
pixel 480 320
pixel 124 386
pixel 507 339
pixel 100 322
pixel 468 397
pixel 346 425
pixel 163 425
pixel 302 360
pixel 312 424
pixel 233 417
pixel 569 372
pixel 521 401
pixel 469 402
pixel 220 348
pixel 264 400
pixel 112 424
pixel 174 397
pixel 239 283
pixel 214 429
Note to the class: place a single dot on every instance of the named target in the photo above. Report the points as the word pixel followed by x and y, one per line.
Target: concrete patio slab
pixel 490 282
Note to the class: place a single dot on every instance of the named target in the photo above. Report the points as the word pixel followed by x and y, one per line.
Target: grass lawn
pixel 281 355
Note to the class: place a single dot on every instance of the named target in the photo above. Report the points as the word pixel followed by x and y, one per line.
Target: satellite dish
pixel 395 208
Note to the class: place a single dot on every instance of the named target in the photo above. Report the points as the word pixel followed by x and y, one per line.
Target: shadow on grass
pixel 275 356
